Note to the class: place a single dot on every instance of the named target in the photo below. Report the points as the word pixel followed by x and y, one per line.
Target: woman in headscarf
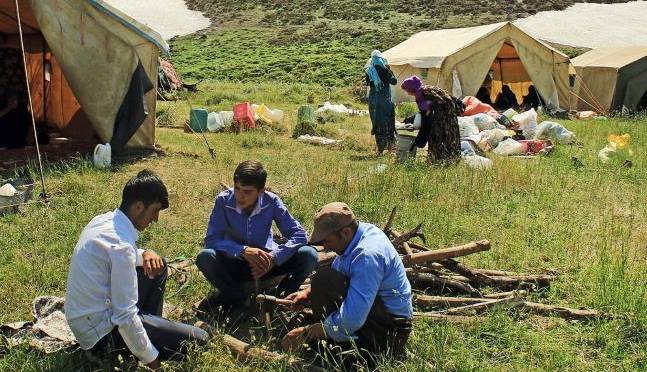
pixel 380 105
pixel 439 129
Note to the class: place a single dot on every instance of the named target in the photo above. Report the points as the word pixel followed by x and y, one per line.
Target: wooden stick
pixel 563 312
pixel 407 235
pixel 437 282
pixel 477 278
pixel 419 246
pixel 520 293
pixel 405 245
pixel 508 302
pixel 521 281
pixel 279 301
pixel 498 272
pixel 424 300
pixel 446 253
pixel 389 222
pixel 445 318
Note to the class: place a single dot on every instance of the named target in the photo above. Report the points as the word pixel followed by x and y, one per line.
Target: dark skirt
pixel 382 112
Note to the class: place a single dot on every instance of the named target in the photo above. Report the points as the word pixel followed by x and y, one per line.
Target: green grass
pixel 589 223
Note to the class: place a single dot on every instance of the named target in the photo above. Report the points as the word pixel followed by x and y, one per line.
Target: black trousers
pixel 169 338
pixel 382 333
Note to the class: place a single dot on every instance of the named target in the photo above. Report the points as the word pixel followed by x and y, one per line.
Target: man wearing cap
pixel 365 297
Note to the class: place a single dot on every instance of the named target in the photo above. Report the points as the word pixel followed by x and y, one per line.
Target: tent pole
pixel 43 195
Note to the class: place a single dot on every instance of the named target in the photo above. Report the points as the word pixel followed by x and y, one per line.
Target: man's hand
pixel 294 339
pixel 260 262
pixel 155 365
pixel 299 299
pixel 153 264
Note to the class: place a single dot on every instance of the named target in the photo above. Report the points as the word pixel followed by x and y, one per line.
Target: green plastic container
pixel 306 114
pixel 198 120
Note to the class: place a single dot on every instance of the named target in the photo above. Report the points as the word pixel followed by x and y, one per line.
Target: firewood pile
pixel 444 288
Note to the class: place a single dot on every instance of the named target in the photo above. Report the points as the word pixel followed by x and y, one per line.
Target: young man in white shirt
pixel 115 291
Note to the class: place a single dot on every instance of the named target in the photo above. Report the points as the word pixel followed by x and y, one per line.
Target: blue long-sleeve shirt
pixel 231 229
pixel 373 268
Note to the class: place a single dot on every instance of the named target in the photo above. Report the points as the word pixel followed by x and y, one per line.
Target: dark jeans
pixel 168 337
pixel 229 274
pixel 381 333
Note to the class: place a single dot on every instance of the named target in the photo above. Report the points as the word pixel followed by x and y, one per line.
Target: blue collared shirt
pixel 231 229
pixel 373 268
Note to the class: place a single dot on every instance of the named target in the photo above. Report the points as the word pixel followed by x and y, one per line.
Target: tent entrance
pixel 62 126
pixel 507 69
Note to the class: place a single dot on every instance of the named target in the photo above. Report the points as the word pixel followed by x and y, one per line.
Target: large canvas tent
pixel 461 60
pixel 610 78
pixel 92 70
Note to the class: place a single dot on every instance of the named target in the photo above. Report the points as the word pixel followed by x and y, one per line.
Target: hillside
pixel 322 42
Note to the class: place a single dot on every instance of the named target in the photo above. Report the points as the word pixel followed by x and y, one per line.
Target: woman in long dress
pixel 380 104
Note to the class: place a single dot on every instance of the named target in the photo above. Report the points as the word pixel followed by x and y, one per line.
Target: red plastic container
pixel 244 116
pixel 535 146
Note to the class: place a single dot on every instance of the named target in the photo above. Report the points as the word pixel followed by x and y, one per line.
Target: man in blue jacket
pixel 239 246
pixel 364 299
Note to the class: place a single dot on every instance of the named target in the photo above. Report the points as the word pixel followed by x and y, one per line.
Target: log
pixel 405 237
pixel 419 246
pixel 520 293
pixel 389 222
pixel 521 281
pixel 475 277
pixel 446 253
pixel 508 302
pixel 432 280
pixel 498 272
pixel 445 318
pixel 406 248
pixel 424 300
pixel 563 312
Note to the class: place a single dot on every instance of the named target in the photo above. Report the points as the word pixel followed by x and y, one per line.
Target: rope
pixel 597 105
pixel 212 152
pixel 43 195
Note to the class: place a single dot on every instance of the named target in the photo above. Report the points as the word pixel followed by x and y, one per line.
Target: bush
pixel 406 109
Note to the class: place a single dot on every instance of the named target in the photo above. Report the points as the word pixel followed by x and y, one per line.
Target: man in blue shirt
pixel 365 298
pixel 239 246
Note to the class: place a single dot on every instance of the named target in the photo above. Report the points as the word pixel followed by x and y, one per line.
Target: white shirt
pixel 102 285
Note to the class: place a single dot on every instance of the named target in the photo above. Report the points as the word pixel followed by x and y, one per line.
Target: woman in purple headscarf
pixel 439 112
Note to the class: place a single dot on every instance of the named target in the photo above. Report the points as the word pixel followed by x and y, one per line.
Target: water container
pixel 405 142
pixel 244 116
pixel 198 119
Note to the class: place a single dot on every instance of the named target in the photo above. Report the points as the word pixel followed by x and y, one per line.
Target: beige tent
pixel 461 60
pixel 90 68
pixel 610 78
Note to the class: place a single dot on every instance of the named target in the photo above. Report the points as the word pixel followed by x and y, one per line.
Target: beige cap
pixel 330 218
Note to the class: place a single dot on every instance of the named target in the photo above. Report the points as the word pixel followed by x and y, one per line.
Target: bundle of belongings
pixel 48 332
pixel 509 133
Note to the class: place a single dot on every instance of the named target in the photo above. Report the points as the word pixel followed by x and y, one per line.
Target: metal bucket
pixel 404 151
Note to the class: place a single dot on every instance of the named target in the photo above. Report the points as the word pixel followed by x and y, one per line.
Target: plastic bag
pixel 585 115
pixel 485 122
pixel 417 121
pixel 494 136
pixel 477 162
pixel 510 113
pixel 466 126
pixel 527 122
pixel 214 122
pixel 101 157
pixel 554 131
pixel 467 148
pixel 617 149
pixel 509 147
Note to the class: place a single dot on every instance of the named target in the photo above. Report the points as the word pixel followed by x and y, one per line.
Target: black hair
pixel 250 173
pixel 146 187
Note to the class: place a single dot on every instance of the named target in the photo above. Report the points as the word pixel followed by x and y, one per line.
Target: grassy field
pixel 589 223
pixel 324 42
